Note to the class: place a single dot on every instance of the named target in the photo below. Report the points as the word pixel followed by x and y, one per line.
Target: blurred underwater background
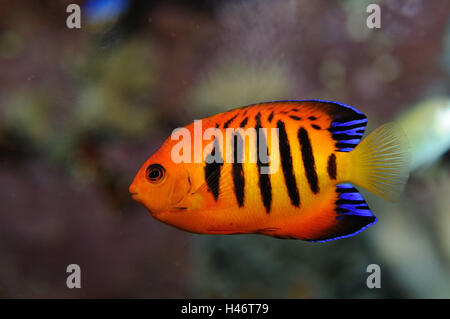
pixel 82 109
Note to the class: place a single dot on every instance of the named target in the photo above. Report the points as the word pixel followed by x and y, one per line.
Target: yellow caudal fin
pixel 380 162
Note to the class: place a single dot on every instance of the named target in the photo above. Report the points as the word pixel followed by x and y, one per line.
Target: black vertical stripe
pixel 264 180
pixel 331 166
pixel 270 118
pixel 212 172
pixel 244 122
pixel 229 121
pixel 258 120
pixel 286 165
pixel 237 170
pixel 308 160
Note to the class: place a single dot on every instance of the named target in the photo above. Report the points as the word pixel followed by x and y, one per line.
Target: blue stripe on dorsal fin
pixel 348 128
pixel 352 214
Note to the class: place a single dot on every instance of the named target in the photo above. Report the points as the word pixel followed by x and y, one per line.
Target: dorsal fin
pixel 347 124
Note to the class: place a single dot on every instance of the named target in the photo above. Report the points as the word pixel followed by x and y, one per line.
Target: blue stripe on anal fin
pixel 352 215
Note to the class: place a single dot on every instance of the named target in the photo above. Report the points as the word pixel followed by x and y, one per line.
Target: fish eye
pixel 155 173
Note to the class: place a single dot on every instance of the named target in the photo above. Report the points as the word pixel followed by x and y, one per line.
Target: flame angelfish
pixel 308 196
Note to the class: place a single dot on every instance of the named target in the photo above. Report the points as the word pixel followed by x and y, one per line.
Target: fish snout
pixel 133 190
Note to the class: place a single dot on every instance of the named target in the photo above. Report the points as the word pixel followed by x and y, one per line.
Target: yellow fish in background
pixel 308 196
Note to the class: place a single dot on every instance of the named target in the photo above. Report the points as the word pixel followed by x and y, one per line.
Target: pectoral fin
pixel 218 188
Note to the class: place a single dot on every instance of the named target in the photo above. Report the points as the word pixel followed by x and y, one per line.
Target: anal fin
pixel 352 215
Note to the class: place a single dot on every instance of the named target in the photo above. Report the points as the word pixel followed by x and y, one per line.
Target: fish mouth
pixel 134 195
pixel 133 191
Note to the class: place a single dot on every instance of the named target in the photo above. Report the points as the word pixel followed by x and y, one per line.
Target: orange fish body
pixel 301 189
